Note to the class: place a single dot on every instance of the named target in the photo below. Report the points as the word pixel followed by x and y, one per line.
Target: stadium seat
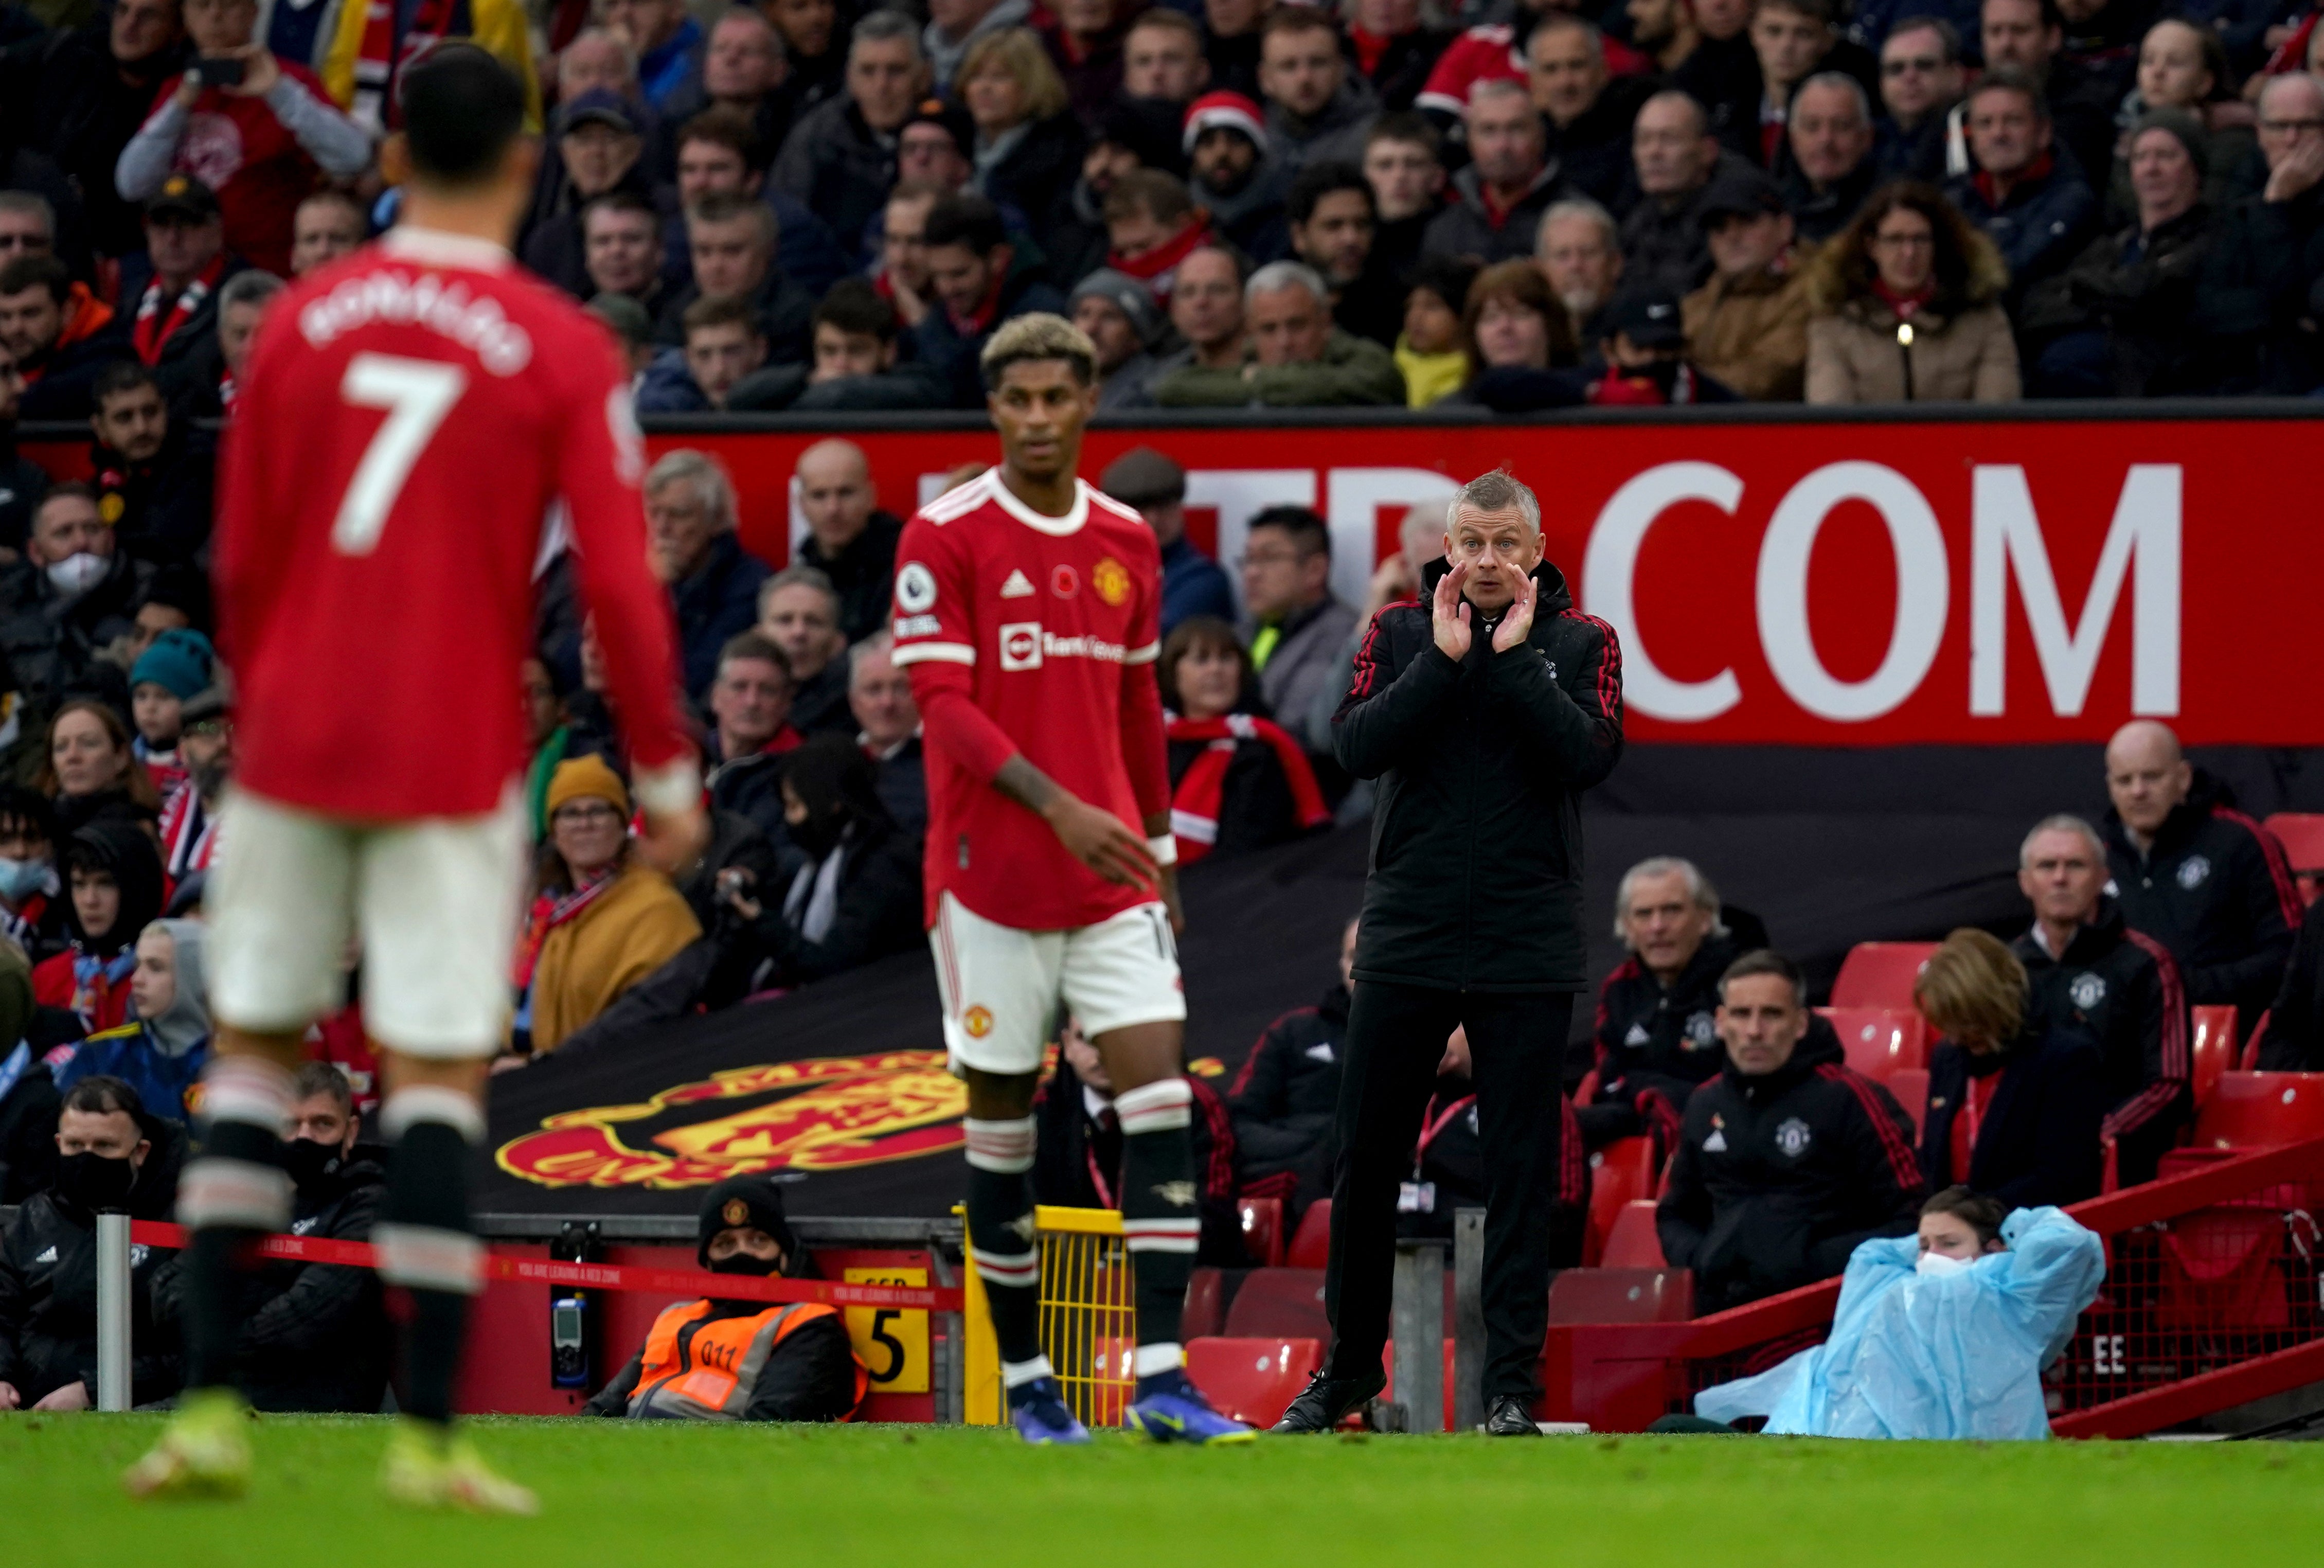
pixel 1252 1380
pixel 1633 1243
pixel 2260 1111
pixel 1879 1041
pixel 1655 1295
pixel 1310 1246
pixel 1622 1170
pixel 1207 1304
pixel 1262 1230
pixel 1911 1087
pixel 2213 1050
pixel 2249 1060
pixel 1880 974
pixel 1280 1303
pixel 2302 834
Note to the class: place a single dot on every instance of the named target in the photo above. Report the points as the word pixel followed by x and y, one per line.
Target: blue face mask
pixel 21 879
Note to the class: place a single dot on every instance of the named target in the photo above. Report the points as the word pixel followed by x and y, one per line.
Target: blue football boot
pixel 1040 1415
pixel 1170 1409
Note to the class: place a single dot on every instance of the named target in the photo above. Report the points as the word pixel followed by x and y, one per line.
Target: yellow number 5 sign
pixel 892 1342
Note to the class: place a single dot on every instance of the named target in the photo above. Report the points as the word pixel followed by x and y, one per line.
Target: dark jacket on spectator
pixel 1722 75
pixel 1915 155
pixel 1283 1104
pixel 165 513
pixel 1468 228
pixel 864 572
pixel 786 314
pixel 839 166
pixel 1475 877
pixel 50 641
pixel 22 483
pixel 1036 176
pixel 29 1102
pixel 2294 1041
pixel 1335 133
pixel 1354 372
pixel 1651 1044
pixel 753 787
pixel 2215 889
pixel 718 600
pixel 316 1335
pixel 1077 1160
pixel 2038 1140
pixel 903 785
pixel 1778 1178
pixel 1259 802
pixel 1593 152
pixel 1818 215
pixel 878 912
pixel 1193 583
pixel 1448 1173
pixel 2039 226
pixel 951 355
pixel 2139 290
pixel 2122 987
pixel 64 93
pixel 48 1293
pixel 181 355
pixel 1402 69
pixel 907 386
pixel 2254 322
pixel 69 376
pixel 1664 246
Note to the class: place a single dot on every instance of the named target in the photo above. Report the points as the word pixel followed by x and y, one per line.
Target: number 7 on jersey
pixel 417 394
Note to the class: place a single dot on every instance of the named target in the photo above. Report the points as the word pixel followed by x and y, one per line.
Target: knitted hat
pixel 1232 111
pixel 742 1200
pixel 950 118
pixel 180 661
pixel 1126 294
pixel 586 778
pixel 2184 126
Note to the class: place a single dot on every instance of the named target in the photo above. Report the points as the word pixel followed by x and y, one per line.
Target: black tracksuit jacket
pixel 2216 890
pixel 1475 880
pixel 1285 1099
pixel 2038 1142
pixel 48 1305
pixel 1778 1178
pixel 2122 986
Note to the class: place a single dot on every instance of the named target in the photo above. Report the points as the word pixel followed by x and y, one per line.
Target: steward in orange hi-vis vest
pixel 715 1360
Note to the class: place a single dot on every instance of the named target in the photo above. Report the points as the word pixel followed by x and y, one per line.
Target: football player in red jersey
pixel 1027 611
pixel 408 416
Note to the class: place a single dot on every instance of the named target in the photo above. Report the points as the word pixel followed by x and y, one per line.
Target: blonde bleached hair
pixel 1038 335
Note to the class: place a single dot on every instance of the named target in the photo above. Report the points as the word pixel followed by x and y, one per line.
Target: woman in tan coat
pixel 1907 302
pixel 602 920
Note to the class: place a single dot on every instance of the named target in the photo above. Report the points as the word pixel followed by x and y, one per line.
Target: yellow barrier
pixel 1088 1319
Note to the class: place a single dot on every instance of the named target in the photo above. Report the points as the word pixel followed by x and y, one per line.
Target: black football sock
pixel 1161 1225
pixel 1001 1246
pixel 426 1242
pixel 234 1193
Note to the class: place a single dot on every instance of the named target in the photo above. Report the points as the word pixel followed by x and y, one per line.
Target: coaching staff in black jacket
pixel 1483 711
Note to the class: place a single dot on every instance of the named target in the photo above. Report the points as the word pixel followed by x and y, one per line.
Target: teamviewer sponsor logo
pixel 1020 645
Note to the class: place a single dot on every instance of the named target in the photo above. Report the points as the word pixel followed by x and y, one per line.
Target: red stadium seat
pixel 1207 1304
pixel 2260 1111
pixel 1911 1087
pixel 2249 1060
pixel 1262 1230
pixel 1880 974
pixel 1622 1295
pixel 2302 836
pixel 1311 1247
pixel 1253 1380
pixel 1280 1303
pixel 1633 1243
pixel 2213 1050
pixel 1622 1170
pixel 1879 1041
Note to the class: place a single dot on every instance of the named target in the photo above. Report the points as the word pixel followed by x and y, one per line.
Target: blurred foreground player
pixel 409 415
pixel 1029 613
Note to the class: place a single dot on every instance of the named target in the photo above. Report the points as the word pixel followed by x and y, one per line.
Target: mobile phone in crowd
pixel 218 71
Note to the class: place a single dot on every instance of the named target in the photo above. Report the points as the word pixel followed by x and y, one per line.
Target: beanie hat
pixel 2186 128
pixel 743 1200
pixel 1232 111
pixel 180 661
pixel 1126 294
pixel 586 778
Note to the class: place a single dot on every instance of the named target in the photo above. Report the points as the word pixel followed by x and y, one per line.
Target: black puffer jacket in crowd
pixel 2139 288
pixel 2038 1141
pixel 1475 879
pixel 48 1303
pixel 2216 890
pixel 316 1335
pixel 1778 1178
pixel 1285 1099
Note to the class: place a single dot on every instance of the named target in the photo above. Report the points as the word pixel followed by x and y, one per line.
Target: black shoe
pixel 1509 1417
pixel 1327 1400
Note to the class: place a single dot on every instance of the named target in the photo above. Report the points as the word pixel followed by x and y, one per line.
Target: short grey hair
pixel 1498 491
pixel 248 288
pixel 879 645
pixel 1698 891
pixel 758 19
pixel 1498 87
pixel 2061 822
pixel 605 36
pixel 885 27
pixel 1580 206
pixel 34 203
pixel 1277 276
pixel 801 577
pixel 704 475
pixel 1844 82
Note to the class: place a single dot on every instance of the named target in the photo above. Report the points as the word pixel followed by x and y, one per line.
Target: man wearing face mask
pixel 800 1364
pixel 106 1159
pixel 315 1335
pixel 71 594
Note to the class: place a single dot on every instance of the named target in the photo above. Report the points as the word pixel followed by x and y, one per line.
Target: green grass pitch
pixel 664 1495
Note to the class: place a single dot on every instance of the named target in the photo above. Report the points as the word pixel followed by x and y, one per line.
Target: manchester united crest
pixel 735 1212
pixel 1110 578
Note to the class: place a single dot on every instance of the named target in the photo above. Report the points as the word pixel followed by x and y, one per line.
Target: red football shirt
pixel 235 146
pixel 409 416
pixel 1044 613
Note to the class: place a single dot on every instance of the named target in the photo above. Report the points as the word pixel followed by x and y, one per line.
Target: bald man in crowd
pixel 849 538
pixel 2200 877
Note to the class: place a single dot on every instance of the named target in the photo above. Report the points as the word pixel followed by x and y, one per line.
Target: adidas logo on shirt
pixel 1018 587
pixel 1322 1053
pixel 1636 1036
pixel 47 1256
pixel 1716 1143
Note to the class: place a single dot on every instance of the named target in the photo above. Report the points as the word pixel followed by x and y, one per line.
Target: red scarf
pixel 152 331
pixel 384 56
pixel 1158 267
pixel 2033 174
pixel 987 315
pixel 550 910
pixel 1904 305
pixel 1194 804
pixel 1370 47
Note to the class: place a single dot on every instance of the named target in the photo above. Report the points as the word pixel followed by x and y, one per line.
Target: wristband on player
pixel 1165 847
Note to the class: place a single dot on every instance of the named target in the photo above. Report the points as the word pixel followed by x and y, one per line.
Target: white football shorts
pixel 435 900
pixel 1005 990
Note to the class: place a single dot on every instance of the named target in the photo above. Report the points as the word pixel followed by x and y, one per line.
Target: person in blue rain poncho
pixel 1940 1334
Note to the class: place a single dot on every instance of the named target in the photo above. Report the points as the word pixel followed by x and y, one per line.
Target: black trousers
pixel 1395 1038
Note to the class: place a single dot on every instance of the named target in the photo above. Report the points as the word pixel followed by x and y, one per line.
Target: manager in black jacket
pixel 1483 713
